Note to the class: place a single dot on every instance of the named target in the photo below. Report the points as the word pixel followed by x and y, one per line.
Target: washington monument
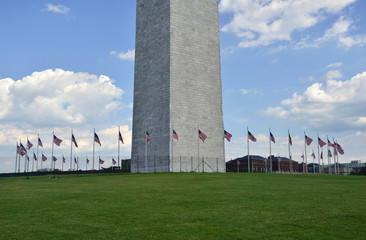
pixel 177 87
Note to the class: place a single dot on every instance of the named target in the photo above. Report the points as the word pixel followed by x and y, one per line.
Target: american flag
pixel 329 153
pixel 202 136
pixel 330 144
pixel 63 159
pixel 272 137
pixel 313 155
pixel 175 135
pixel 227 135
pixel 22 150
pixel 29 144
pixel 321 155
pixel 34 157
pixel 321 142
pixel 251 137
pixel 308 140
pixel 147 136
pixel 75 160
pixel 54 158
pixel 113 161
pixel 335 152
pixel 96 139
pixel 56 140
pixel 44 158
pixel 74 140
pixel 289 139
pixel 101 161
pixel 302 156
pixel 40 142
pixel 339 148
pixel 120 137
pixel 87 161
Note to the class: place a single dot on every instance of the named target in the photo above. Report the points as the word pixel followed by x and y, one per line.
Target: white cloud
pixel 265 22
pixel 56 8
pixel 333 74
pixel 340 105
pixel 129 55
pixel 249 91
pixel 336 64
pixel 58 98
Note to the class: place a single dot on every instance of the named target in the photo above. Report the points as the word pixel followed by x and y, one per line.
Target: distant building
pixel 283 164
pixel 256 164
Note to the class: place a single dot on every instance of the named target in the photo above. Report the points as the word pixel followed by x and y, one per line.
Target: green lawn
pixel 183 206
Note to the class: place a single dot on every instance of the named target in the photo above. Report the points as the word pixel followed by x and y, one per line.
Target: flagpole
pixel 86 163
pixel 198 142
pixel 99 163
pixel 62 162
pixel 16 157
pixel 172 149
pixel 337 160
pixel 248 150
pixel 318 153
pixel 53 136
pixel 119 131
pixel 26 162
pixel 306 157
pixel 289 151
pixel 334 158
pixel 146 151
pixel 33 160
pixel 93 148
pixel 37 151
pixel 20 141
pixel 71 150
pixel 42 160
pixel 77 163
pixel 270 149
pixel 329 169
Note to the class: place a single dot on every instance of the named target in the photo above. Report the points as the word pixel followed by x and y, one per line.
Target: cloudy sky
pixel 297 65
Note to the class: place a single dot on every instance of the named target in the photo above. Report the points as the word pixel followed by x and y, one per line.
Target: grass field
pixel 183 206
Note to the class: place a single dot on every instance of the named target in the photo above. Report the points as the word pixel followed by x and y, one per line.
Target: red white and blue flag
pixel 147 136
pixel 54 158
pixel 101 161
pixel 40 142
pixel 202 136
pixel 175 135
pixel 308 140
pixel 63 159
pixel 22 149
pixel 87 161
pixel 330 144
pixel 120 137
pixel 96 139
pixel 44 158
pixel 227 135
pixel 251 137
pixel 321 142
pixel 34 157
pixel 339 148
pixel 272 137
pixel 75 160
pixel 313 155
pixel 56 140
pixel 329 153
pixel 29 144
pixel 74 140
pixel 289 139
pixel 113 161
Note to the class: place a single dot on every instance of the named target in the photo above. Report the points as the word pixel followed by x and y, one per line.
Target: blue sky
pixel 286 65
